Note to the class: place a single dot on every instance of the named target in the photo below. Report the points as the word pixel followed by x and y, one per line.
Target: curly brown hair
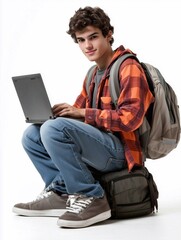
pixel 89 16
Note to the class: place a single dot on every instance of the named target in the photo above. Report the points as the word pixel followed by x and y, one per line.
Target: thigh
pixel 98 149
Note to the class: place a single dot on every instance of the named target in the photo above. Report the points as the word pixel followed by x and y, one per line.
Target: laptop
pixel 33 98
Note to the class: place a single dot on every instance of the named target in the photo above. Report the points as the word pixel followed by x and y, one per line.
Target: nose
pixel 88 44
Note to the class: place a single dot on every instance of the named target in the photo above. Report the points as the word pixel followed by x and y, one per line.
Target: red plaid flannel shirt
pixel 134 100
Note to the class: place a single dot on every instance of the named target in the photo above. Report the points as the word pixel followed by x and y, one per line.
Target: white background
pixel 33 39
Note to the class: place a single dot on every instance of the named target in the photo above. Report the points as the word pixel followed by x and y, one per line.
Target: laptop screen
pixel 33 98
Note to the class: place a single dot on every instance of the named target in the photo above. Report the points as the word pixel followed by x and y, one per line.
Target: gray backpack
pixel 160 132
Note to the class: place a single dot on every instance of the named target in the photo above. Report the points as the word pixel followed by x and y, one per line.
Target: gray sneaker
pixel 47 204
pixel 84 211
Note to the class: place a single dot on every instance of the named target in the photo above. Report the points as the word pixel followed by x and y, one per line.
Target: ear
pixel 109 35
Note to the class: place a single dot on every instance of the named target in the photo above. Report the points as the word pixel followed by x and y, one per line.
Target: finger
pixel 64 112
pixel 60 105
pixel 58 108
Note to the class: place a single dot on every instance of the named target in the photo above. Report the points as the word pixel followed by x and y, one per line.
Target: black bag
pixel 130 194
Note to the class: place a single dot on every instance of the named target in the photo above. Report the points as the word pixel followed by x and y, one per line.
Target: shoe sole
pixel 39 213
pixel 84 223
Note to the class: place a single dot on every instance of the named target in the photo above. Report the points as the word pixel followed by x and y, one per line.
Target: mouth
pixel 90 53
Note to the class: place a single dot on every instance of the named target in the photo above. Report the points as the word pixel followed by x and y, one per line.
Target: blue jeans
pixel 63 149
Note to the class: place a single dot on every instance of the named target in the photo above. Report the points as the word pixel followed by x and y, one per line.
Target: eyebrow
pixel 92 34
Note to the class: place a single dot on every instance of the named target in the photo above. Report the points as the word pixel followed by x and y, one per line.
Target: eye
pixel 93 37
pixel 79 40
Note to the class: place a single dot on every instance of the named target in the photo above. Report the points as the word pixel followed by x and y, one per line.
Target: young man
pixel 91 134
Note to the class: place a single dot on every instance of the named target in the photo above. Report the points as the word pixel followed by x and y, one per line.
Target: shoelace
pixel 43 194
pixel 78 203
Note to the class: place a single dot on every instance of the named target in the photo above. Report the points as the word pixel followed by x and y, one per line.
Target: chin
pixel 92 59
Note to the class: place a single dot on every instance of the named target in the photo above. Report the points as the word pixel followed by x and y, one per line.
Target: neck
pixel 105 60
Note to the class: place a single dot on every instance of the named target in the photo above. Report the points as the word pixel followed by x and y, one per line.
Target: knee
pixel 52 129
pixel 31 134
pixel 47 130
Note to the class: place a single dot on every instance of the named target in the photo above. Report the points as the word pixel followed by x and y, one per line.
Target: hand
pixel 66 110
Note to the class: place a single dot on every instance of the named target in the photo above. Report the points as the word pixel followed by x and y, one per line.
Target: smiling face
pixel 94 45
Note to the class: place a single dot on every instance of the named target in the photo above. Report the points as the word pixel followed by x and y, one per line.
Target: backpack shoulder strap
pixel 89 77
pixel 114 85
